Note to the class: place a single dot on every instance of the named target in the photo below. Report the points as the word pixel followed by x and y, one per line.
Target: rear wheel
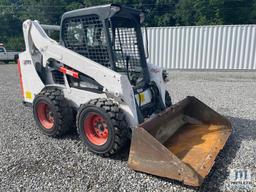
pixel 51 112
pixel 102 126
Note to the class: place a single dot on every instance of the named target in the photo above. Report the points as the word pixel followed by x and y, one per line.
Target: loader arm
pixel 114 84
pixel 50 49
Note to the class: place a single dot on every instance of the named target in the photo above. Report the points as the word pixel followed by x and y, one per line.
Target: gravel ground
pixel 30 161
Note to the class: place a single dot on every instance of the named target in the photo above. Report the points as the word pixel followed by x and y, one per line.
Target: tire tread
pixel 65 120
pixel 118 121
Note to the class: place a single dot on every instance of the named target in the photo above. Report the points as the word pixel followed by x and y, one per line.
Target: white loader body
pixel 40 48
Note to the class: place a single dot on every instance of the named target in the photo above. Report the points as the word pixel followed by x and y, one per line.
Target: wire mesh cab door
pixel 86 36
pixel 127 48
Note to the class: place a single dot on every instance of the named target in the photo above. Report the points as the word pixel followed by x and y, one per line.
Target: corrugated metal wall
pixel 203 47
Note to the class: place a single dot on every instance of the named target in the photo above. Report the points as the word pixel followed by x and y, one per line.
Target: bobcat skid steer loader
pixel 97 78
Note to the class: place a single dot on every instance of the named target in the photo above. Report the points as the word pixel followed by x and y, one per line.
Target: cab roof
pixel 103 11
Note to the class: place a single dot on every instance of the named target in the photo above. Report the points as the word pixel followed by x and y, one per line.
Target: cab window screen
pixel 85 35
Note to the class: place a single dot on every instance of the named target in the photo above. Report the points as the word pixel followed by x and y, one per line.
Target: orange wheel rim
pixel 45 115
pixel 96 129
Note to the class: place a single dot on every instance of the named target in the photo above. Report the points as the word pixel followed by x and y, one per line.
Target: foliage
pixel 158 13
pixel 198 12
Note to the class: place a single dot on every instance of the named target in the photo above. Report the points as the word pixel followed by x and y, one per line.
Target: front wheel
pixel 168 100
pixel 102 126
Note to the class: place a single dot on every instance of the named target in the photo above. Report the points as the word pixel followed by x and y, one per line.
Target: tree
pixel 199 12
pixel 238 12
pixel 10 24
pixel 45 11
pixel 158 13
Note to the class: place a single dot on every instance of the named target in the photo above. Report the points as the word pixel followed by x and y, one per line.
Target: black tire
pixel 168 100
pixel 6 62
pixel 61 113
pixel 16 57
pixel 115 122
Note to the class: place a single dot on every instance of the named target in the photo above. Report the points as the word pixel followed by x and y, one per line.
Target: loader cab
pixel 109 35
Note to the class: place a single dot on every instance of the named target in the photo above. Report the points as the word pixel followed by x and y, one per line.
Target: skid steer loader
pixel 97 77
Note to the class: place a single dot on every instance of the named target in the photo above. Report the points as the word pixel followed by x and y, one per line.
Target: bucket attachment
pixel 180 143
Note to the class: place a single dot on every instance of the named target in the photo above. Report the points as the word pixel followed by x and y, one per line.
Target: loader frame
pixel 174 141
pixel 41 50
